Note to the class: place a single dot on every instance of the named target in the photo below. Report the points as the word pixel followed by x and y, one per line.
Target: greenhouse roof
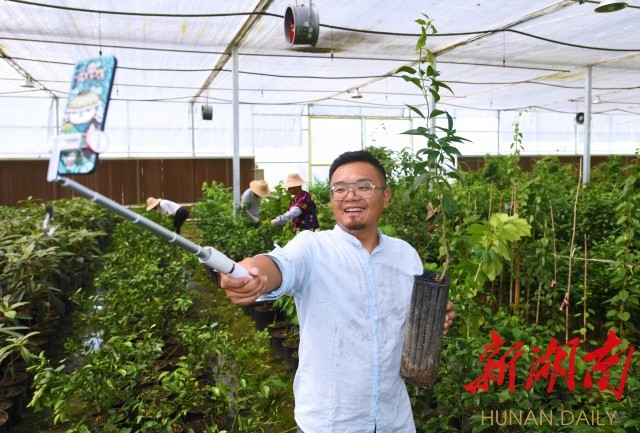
pixel 495 55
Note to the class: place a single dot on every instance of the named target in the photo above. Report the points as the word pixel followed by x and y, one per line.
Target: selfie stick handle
pixel 207 255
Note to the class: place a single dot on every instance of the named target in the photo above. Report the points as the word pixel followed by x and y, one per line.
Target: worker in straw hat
pixel 302 208
pixel 251 198
pixel 167 207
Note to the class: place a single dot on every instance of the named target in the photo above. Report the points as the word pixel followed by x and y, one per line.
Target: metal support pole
pixel 192 127
pixel 586 156
pixel 236 132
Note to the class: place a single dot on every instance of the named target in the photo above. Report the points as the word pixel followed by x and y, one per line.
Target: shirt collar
pixel 355 241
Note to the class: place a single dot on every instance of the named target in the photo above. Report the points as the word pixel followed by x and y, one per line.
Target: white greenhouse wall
pixel 302 139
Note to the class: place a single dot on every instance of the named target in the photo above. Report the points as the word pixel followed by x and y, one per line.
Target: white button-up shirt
pixel 352 307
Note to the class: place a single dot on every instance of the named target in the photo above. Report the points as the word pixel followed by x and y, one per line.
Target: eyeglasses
pixel 363 189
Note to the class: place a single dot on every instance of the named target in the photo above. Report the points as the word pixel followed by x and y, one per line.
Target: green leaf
pixel 415 110
pixel 407 69
pixel 492 270
pixel 436 113
pixel 422 40
pixel 449 204
pixel 432 59
pixel 502 249
pixel 435 94
pixel 477 230
pixel 413 80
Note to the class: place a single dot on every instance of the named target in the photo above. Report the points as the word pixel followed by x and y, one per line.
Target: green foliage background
pixel 607 298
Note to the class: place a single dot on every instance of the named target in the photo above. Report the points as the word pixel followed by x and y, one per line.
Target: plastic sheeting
pixel 496 55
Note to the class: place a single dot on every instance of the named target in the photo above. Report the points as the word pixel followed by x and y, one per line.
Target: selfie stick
pixel 207 255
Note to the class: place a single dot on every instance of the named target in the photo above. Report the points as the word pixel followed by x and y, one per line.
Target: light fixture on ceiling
pixel 28 82
pixel 610 6
pixel 207 112
pixel 595 100
pixel 207 109
pixel 355 94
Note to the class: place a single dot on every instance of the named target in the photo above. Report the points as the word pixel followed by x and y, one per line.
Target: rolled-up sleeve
pixel 293 261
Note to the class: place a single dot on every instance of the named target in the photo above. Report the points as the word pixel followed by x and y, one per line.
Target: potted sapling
pixel 434 168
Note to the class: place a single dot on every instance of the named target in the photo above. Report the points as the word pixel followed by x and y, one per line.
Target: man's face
pixel 355 214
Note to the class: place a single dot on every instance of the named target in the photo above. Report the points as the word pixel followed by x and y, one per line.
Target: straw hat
pixel 294 179
pixel 153 202
pixel 260 188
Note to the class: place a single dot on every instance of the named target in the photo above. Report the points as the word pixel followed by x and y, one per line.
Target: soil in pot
pixel 4 421
pixel 41 341
pixel 109 417
pixel 45 328
pixel 276 326
pixel 153 392
pixel 200 425
pixel 14 378
pixel 178 427
pixel 160 364
pixel 7 406
pixel 159 409
pixel 201 373
pixel 173 351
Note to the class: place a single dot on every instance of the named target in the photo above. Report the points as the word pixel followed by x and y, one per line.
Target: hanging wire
pixel 331 39
pixel 99 35
pixel 504 49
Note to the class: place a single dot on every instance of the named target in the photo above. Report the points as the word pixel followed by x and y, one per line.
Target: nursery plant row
pixel 542 268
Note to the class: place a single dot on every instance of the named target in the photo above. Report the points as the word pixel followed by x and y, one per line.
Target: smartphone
pixel 85 114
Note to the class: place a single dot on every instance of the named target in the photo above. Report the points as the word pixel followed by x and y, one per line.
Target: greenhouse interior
pixel 148 148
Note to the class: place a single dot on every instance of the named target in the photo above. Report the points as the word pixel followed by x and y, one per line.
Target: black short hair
pixel 358 156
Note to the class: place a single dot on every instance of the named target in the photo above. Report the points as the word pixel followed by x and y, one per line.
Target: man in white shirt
pixel 352 286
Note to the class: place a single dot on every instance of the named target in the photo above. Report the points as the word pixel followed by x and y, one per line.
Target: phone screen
pixel 86 112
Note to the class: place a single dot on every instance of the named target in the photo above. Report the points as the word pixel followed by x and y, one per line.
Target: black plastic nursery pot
pixel 17 395
pixel 423 336
pixel 263 316
pixel 277 340
pixel 289 346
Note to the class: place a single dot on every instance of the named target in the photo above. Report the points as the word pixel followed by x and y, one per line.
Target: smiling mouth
pixel 354 210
